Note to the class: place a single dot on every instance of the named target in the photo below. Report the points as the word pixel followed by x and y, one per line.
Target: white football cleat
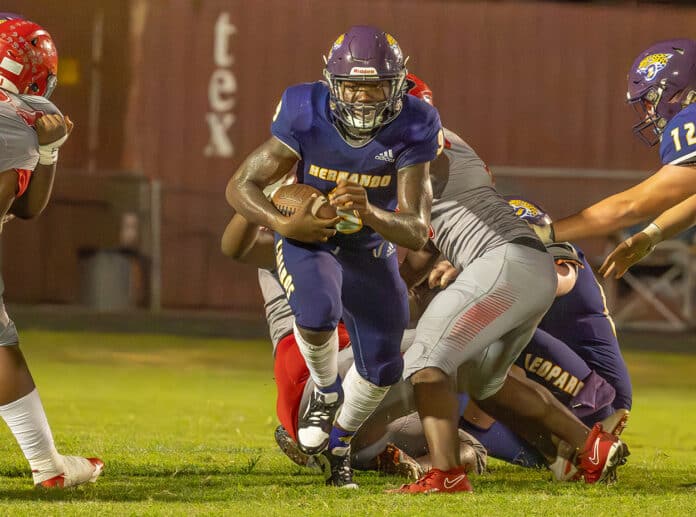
pixel 76 471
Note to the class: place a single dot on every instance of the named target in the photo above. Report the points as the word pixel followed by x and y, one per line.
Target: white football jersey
pixel 19 147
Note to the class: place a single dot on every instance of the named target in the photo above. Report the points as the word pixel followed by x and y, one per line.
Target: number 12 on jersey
pixel 690 134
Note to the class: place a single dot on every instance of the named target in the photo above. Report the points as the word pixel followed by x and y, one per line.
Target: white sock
pixel 322 360
pixel 361 398
pixel 27 420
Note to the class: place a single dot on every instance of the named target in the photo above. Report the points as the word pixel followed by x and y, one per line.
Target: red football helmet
pixel 418 88
pixel 28 58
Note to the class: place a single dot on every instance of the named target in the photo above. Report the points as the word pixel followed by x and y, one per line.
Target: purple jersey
pixel 581 321
pixel 303 122
pixel 678 143
pixel 581 315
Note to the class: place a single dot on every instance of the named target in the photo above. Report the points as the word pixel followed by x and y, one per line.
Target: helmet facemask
pixel 366 75
pixel 362 104
pixel 650 125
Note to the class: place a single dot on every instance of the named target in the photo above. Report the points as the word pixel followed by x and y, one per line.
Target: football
pixel 289 198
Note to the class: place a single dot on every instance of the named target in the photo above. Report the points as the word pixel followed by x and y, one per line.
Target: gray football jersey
pixel 19 147
pixel 278 312
pixel 469 217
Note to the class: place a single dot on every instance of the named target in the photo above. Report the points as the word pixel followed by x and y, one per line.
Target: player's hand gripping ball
pixel 289 198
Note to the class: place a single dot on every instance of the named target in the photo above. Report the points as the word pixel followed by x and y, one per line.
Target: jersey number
pixel 690 130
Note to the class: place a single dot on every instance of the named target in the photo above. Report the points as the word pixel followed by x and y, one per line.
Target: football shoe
pixel 335 464
pixel 314 426
pixel 438 481
pixel 76 471
pixel 290 447
pixel 601 455
pixel 394 461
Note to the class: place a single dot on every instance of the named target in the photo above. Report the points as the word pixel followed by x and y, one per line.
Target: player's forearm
pixel 248 200
pixel 601 219
pixel 666 188
pixel 409 226
pixel 37 195
pixel 417 265
pixel 677 219
pixel 239 237
pixel 270 162
pixel 403 229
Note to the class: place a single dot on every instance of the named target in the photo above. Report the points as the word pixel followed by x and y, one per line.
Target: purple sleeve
pixel 283 123
pixel 426 141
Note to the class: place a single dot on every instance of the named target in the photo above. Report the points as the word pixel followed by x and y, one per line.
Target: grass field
pixel 185 426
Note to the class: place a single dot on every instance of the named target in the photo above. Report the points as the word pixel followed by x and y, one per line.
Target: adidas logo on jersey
pixel 385 156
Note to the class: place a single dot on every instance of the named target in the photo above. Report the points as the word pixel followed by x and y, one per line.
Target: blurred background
pixel 168 96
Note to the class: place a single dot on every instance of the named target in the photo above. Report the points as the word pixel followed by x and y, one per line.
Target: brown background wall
pixel 537 84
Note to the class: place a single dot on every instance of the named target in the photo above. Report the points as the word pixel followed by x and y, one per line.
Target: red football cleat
pixel 602 454
pixel 77 470
pixel 438 481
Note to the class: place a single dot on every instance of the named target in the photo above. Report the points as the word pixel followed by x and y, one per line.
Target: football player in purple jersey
pixel 32 130
pixel 578 320
pixel 662 88
pixel 360 140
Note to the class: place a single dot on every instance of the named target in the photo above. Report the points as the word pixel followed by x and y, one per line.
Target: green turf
pixel 185 426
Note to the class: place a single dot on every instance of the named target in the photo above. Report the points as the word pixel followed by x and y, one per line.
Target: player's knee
pixel 624 391
pixel 482 390
pixel 385 372
pixel 430 375
pixel 323 313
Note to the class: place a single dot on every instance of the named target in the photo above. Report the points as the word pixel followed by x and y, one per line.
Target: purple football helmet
pixel 661 81
pixel 529 212
pixel 365 55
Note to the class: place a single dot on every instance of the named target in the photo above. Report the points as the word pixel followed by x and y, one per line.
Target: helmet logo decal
pixel 523 208
pixel 394 45
pixel 336 44
pixel 651 65
pixel 363 70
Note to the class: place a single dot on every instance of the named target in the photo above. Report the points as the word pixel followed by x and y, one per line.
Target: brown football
pixel 289 198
